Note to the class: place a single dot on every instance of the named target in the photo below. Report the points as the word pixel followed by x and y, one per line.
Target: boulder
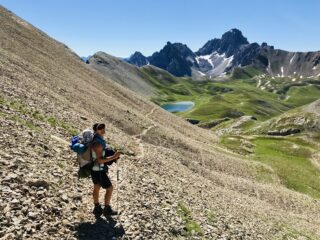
pixel 192 121
pixel 213 123
pixel 39 184
pixel 284 132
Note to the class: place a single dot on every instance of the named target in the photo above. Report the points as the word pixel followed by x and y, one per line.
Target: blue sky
pixel 120 27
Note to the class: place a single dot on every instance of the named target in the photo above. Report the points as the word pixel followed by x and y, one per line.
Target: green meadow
pixel 230 98
pixel 265 98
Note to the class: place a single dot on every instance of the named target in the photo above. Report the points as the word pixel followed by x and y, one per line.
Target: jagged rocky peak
pixel 231 41
pixel 228 44
pixel 138 59
pixel 173 50
pixel 220 56
pixel 183 49
pixel 213 59
pixel 175 58
pixel 234 36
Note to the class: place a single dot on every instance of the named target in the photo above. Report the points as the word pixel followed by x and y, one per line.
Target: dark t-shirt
pixel 107 151
pixel 99 139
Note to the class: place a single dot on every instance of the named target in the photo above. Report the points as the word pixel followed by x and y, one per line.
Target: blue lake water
pixel 178 106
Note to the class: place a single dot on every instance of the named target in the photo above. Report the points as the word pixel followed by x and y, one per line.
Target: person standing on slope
pixel 100 170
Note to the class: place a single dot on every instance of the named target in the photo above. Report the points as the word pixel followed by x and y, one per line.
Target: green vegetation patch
pixel 245 72
pixel 289 158
pixel 191 228
pixel 34 114
pixel 292 233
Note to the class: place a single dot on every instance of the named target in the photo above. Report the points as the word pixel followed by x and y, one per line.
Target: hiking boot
pixel 108 211
pixel 97 211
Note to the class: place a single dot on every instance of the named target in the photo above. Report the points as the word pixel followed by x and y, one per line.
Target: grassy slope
pixel 303 95
pixel 229 98
pixel 289 157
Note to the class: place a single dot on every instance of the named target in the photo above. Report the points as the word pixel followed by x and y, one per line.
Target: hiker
pixel 100 170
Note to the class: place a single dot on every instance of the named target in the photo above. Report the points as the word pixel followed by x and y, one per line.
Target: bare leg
pixel 96 190
pixel 108 195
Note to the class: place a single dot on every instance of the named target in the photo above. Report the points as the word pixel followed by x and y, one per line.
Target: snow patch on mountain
pixel 214 64
pixel 292 58
pixel 206 58
pixel 201 73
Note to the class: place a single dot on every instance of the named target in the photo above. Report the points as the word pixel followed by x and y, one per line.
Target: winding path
pixel 144 132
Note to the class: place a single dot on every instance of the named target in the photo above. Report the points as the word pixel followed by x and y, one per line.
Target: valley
pixel 244 108
pixel 240 112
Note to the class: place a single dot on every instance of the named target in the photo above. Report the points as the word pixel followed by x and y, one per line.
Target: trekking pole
pixel 117 198
pixel 202 169
pixel 117 187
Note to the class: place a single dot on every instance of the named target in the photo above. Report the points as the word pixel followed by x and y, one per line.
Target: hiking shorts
pixel 101 178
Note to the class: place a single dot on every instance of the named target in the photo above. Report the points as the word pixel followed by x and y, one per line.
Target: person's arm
pixel 113 157
pixel 98 149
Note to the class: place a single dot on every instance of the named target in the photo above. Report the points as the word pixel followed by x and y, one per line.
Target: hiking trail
pixel 143 133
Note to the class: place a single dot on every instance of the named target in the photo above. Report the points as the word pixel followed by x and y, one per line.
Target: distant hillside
pixel 125 74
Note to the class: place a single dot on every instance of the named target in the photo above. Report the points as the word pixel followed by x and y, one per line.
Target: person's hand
pixel 117 155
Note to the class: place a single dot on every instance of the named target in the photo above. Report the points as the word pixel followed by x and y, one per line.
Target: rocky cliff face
pixel 283 63
pixel 220 56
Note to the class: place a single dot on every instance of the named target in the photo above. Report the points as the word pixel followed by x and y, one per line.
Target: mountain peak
pixel 235 35
pixel 229 43
pixel 234 31
pixel 138 59
pixel 137 54
pixel 173 57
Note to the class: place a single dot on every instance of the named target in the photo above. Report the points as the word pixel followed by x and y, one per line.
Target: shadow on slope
pixel 101 229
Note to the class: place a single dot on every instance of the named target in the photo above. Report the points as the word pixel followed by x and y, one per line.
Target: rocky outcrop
pixel 236 126
pixel 192 121
pixel 284 132
pixel 213 123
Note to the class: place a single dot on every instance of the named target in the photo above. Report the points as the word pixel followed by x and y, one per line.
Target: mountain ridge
pixel 220 56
